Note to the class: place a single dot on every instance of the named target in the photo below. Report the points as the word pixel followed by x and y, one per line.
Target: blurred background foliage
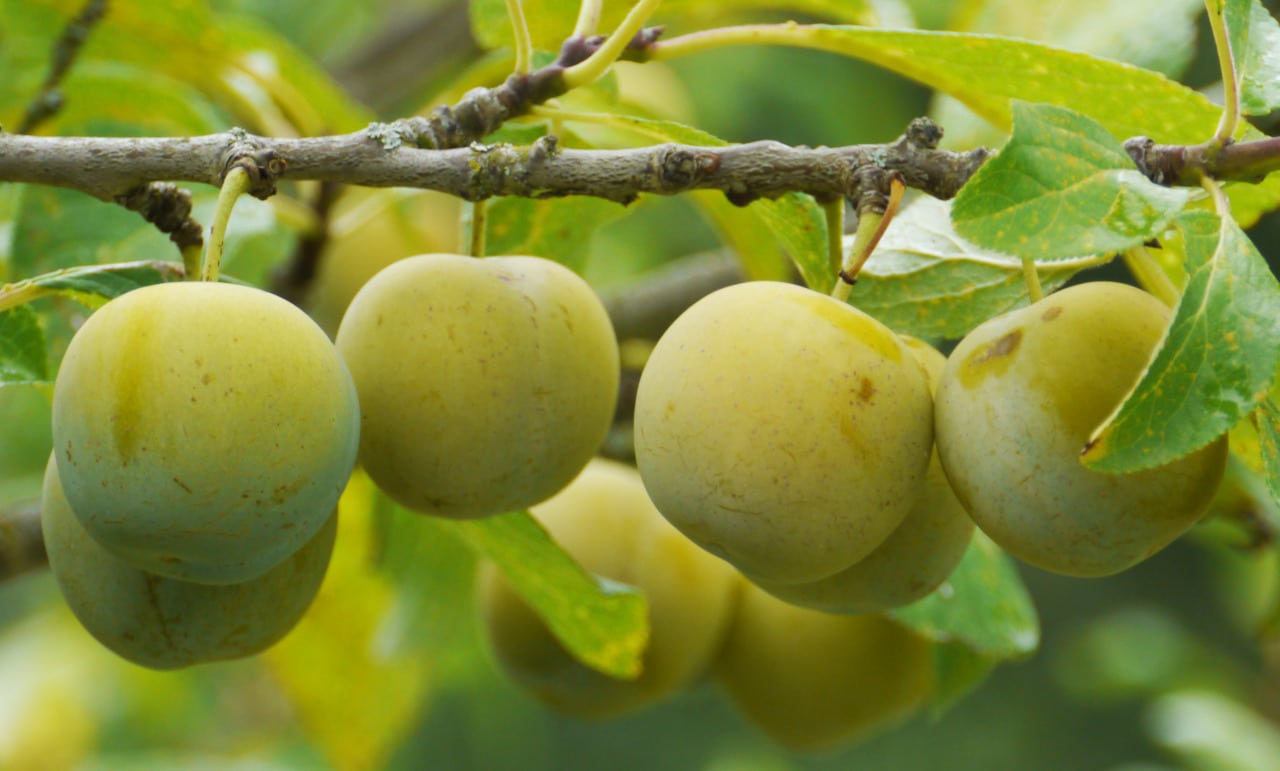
pixel 1173 664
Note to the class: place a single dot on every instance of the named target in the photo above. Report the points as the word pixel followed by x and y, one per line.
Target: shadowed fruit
pixel 203 431
pixel 606 522
pixel 813 680
pixel 782 430
pixel 163 623
pixel 915 559
pixel 1016 403
pixel 486 384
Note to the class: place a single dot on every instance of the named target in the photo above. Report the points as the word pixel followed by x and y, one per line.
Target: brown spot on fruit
pixel 1051 313
pixel 866 390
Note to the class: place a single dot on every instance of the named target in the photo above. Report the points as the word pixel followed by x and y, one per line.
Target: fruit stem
pixel 1150 275
pixel 1230 85
pixel 594 66
pixel 234 185
pixel 191 261
pixel 871 227
pixel 479 212
pixel 524 41
pixel 834 211
pixel 588 18
pixel 1029 274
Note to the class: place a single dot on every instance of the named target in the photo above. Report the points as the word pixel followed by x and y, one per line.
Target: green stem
pixel 1221 204
pixel 834 211
pixel 236 184
pixel 524 41
pixel 191 261
pixel 1150 275
pixel 20 293
pixel 724 37
pixel 864 241
pixel 588 18
pixel 1032 277
pixel 479 214
pixel 594 66
pixel 1230 86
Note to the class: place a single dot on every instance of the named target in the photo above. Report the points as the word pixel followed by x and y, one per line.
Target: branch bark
pixel 386 155
pixel 21 540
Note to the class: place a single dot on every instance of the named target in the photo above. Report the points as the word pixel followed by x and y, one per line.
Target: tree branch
pixel 47 103
pixel 385 155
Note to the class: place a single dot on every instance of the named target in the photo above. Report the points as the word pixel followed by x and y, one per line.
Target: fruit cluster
pixel 203 433
pixel 841 469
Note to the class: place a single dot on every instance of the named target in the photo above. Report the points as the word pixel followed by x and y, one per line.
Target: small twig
pixel 291 279
pixel 1230 83
pixel 877 205
pixel 479 214
pixel 168 207
pixel 593 67
pixel 523 40
pixel 588 18
pixel 1150 275
pixel 49 101
pixel 21 541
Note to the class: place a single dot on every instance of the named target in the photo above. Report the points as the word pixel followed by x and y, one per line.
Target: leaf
pixel 23 357
pixel 1255 48
pixel 603 624
pixel 1267 420
pixel 746 232
pixel 983 605
pixel 557 229
pixel 957 670
pixel 986 73
pixel 91 284
pixel 925 280
pixel 1217 359
pixel 1061 187
pixel 551 21
pixel 356 685
pixel 796 220
pixel 1203 729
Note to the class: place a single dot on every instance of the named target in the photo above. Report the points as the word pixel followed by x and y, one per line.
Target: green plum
pixel 1018 400
pixel 812 680
pixel 203 431
pixel 486 384
pixel 164 623
pixel 915 559
pixel 607 523
pixel 783 430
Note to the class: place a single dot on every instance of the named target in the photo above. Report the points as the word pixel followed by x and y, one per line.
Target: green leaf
pixel 1203 729
pixel 23 357
pixel 1267 420
pixel 987 73
pixel 958 669
pixel 551 21
pixel 1215 363
pixel 1255 49
pixel 795 220
pixel 92 284
pixel 557 229
pixel 603 624
pixel 1061 187
pixel 745 231
pixel 983 605
pixel 925 280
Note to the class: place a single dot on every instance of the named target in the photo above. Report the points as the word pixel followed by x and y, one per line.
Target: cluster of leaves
pixel 1062 193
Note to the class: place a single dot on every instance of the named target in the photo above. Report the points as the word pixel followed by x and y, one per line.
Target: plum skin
pixel 163 623
pixel 916 557
pixel 203 431
pixel 812 680
pixel 486 384
pixel 1017 402
pixel 607 523
pixel 783 430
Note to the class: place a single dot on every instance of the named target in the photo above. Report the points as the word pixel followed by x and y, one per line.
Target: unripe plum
pixel 1016 404
pixel 203 431
pixel 486 384
pixel 164 623
pixel 607 523
pixel 783 430
pixel 812 680
pixel 915 559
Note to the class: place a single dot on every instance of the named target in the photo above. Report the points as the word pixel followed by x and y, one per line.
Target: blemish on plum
pixel 1051 313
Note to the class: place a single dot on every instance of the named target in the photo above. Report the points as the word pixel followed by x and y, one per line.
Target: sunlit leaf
pixel 353 679
pixel 1208 730
pixel 1216 362
pixel 987 73
pixel 603 624
pixel 557 229
pixel 745 231
pixel 926 280
pixel 1255 48
pixel 551 21
pixel 23 358
pixel 1061 187
pixel 983 605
